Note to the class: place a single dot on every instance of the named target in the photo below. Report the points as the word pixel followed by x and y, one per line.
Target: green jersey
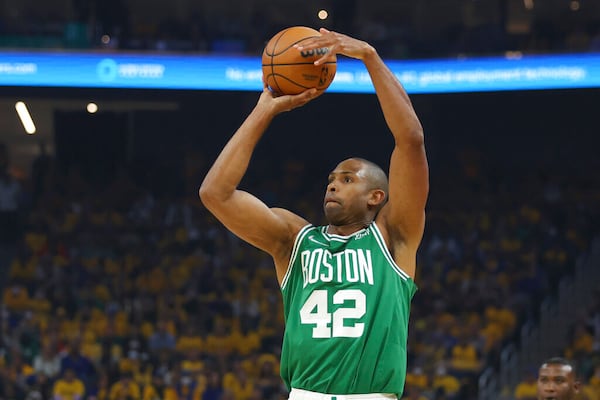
pixel 346 305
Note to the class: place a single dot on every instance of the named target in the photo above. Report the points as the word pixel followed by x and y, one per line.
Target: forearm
pixel 231 165
pixel 395 103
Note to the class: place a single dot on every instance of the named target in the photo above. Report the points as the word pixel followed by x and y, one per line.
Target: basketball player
pixel 347 286
pixel 557 380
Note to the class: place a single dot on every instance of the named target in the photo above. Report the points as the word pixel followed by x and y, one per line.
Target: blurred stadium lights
pixel 92 108
pixel 25 117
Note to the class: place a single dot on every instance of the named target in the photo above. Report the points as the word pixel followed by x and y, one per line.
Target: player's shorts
pixel 300 394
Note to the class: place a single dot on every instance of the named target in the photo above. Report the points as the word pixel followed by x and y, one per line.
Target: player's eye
pixel 347 179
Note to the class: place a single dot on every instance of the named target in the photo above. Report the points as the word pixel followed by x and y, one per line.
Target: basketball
pixel 290 71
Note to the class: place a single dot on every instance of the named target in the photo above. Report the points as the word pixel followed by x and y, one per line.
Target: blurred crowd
pixel 121 292
pixel 398 30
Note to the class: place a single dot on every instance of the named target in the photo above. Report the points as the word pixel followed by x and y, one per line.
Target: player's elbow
pixel 408 131
pixel 214 194
pixel 415 132
pixel 417 137
pixel 413 137
pixel 208 195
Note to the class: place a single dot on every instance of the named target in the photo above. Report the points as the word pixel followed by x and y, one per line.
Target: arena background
pixel 514 190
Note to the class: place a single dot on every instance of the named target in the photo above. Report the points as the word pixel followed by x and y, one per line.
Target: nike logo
pixel 312 239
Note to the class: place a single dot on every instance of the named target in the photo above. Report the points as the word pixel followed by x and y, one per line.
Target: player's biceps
pixel 256 218
pixel 260 232
pixel 239 210
pixel 409 175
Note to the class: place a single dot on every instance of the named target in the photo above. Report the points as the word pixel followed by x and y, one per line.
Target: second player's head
pixel 557 380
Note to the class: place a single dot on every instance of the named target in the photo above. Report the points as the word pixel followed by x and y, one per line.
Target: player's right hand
pixel 277 103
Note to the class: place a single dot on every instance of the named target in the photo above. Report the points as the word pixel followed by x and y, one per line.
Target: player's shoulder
pixel 293 221
pixel 403 250
pixel 290 217
pixel 396 233
pixel 282 251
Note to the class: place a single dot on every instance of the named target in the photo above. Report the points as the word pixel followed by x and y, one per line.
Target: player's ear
pixel 576 385
pixel 376 197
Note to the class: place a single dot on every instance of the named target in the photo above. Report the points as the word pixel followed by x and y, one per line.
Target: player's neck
pixel 347 230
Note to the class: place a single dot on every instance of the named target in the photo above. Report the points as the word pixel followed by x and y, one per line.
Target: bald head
pixel 376 176
pixel 356 192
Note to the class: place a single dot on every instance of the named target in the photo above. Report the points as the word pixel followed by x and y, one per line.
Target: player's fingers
pixel 315 43
pixel 303 96
pixel 290 102
pixel 325 39
pixel 308 94
pixel 330 55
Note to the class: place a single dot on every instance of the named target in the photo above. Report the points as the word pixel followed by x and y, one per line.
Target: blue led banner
pixel 152 71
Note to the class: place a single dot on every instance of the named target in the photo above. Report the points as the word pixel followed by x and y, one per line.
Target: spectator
pixel 125 388
pixel 527 388
pixel 39 387
pixel 187 386
pixel 268 380
pixel 591 388
pixel 238 383
pixel 214 387
pixel 557 379
pixel 69 387
pixel 79 364
pixel 161 339
pixel 445 383
pixel 47 362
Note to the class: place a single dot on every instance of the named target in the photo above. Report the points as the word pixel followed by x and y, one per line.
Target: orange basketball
pixel 290 71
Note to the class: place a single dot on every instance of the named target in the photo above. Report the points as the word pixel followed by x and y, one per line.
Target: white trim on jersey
pixel 299 238
pixel 301 394
pixel 386 252
pixel 340 238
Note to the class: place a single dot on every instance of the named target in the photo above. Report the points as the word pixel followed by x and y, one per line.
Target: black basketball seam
pixel 276 76
pixel 296 83
pixel 291 64
pixel 291 45
pixel 272 65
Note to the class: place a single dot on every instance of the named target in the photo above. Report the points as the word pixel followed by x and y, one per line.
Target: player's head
pixel 557 380
pixel 357 189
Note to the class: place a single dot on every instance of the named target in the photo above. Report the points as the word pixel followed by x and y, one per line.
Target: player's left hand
pixel 337 43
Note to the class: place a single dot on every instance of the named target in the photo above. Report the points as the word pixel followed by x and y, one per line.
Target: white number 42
pixel 315 312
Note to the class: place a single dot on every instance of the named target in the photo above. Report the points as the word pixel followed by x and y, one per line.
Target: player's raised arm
pixel 271 230
pixel 404 214
pixel 403 217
